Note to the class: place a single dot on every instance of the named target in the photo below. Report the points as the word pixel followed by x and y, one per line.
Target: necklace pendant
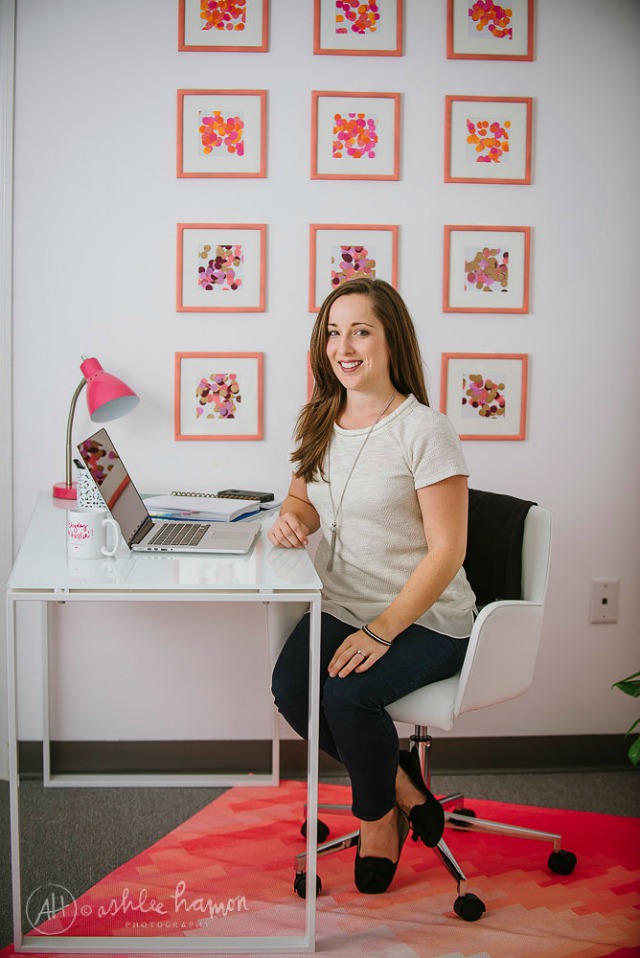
pixel 332 546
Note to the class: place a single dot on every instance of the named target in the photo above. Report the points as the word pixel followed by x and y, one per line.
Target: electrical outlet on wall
pixel 603 603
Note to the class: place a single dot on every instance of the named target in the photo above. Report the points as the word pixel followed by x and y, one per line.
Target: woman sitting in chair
pixel 383 476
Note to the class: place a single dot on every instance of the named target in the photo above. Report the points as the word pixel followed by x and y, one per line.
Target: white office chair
pixel 498 666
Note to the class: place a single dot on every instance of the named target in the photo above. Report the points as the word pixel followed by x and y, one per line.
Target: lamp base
pixel 62 491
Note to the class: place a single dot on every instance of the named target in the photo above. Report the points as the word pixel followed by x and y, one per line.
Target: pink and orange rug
pixel 228 870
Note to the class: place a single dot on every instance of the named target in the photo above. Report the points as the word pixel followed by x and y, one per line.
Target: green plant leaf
pixel 630 685
pixel 634 751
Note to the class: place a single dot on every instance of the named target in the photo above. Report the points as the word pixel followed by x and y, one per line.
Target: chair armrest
pixel 501 657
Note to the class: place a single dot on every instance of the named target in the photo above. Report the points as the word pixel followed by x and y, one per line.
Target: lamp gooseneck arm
pixel 72 409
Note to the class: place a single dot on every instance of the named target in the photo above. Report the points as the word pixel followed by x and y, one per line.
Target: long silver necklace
pixel 336 512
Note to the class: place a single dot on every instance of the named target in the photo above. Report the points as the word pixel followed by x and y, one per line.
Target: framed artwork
pixel 487 140
pixel 481 30
pixel 486 269
pixel 355 136
pixel 341 253
pixel 217 26
pixel 358 27
pixel 485 394
pixel 221 268
pixel 218 395
pixel 222 133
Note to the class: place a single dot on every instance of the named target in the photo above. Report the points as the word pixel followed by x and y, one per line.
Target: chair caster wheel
pixel 562 862
pixel 467 812
pixel 300 884
pixel 469 907
pixel 323 831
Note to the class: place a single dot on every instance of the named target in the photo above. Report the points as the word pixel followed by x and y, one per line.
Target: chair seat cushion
pixel 433 703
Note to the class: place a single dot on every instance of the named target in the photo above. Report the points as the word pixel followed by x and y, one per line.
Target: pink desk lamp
pixel 107 398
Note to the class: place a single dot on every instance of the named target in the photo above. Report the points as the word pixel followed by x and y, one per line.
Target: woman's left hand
pixel 357 653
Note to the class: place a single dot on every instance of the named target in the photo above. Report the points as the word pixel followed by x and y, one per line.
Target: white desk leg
pixel 46 699
pixel 312 767
pixel 14 803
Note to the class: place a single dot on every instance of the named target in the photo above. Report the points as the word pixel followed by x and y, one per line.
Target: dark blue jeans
pixel 354 725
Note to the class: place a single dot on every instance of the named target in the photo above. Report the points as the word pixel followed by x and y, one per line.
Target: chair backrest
pixel 504 642
pixel 503 646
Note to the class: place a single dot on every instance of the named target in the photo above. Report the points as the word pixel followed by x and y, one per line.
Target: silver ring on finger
pixel 360 652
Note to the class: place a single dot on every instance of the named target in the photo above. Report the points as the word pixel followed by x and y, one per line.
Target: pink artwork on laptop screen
pixel 223 269
pixel 223 14
pixel 490 21
pixel 488 140
pixel 355 135
pixel 218 396
pixel 220 134
pixel 357 16
pixel 351 262
pixel 482 396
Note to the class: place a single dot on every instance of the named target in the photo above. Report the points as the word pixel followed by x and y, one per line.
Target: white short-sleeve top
pixel 380 536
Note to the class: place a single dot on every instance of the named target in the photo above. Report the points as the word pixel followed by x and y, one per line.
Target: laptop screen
pixel 114 482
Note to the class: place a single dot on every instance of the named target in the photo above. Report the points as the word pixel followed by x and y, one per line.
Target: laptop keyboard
pixel 179 534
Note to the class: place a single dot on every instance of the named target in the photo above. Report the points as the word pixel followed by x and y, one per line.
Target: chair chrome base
pixel 468 906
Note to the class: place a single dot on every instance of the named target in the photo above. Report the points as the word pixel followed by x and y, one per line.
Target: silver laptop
pixel 139 530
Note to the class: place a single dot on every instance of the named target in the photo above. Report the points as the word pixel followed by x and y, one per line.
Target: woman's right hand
pixel 289 532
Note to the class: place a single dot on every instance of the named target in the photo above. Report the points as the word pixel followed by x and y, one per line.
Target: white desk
pixel 280 579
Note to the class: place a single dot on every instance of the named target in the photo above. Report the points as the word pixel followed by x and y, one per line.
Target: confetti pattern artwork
pixel 355 135
pixel 488 140
pixel 482 397
pixel 356 16
pixel 223 14
pixel 490 20
pixel 218 396
pixel 351 262
pixel 223 271
pixel 486 269
pixel 221 133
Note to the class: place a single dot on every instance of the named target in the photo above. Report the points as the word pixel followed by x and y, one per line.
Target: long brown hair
pixel 314 427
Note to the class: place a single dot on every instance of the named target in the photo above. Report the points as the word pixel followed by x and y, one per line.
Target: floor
pixel 79 835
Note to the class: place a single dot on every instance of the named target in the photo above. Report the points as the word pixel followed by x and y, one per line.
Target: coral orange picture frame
pixel 222 26
pixel 485 394
pixel 366 28
pixel 218 396
pixel 488 139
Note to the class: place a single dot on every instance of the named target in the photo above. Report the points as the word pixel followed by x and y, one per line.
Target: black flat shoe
pixel 374 875
pixel 427 820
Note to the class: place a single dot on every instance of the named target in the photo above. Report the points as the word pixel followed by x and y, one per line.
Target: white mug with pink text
pixel 87 533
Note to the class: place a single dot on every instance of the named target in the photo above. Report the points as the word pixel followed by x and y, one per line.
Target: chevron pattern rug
pixel 228 870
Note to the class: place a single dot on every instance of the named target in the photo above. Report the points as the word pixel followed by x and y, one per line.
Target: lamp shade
pixel 107 396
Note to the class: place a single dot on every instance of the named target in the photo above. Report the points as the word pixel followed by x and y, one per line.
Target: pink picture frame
pixel 222 133
pixel 478 31
pixel 355 136
pixel 486 269
pixel 367 29
pixel 218 396
pixel 488 139
pixel 485 394
pixel 221 267
pixel 340 252
pixel 225 28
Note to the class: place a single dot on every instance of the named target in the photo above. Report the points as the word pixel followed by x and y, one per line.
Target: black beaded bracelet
pixel 372 635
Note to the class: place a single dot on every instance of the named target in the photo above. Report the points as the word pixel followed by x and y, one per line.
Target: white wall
pixel 96 207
